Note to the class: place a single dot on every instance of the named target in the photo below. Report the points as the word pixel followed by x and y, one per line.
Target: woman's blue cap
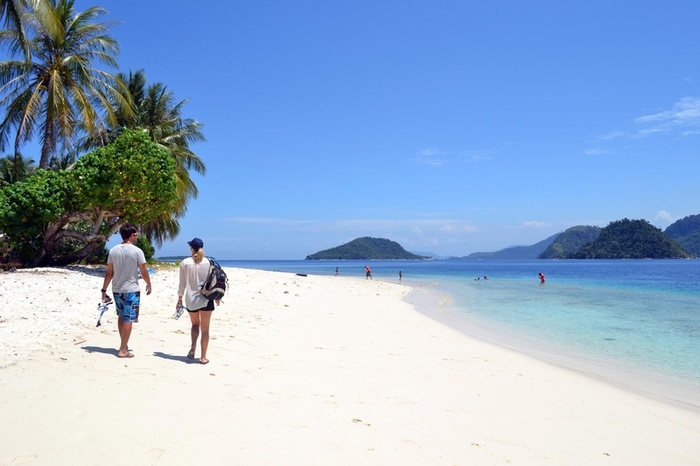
pixel 196 244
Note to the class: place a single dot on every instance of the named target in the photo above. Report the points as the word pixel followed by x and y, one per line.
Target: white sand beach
pixel 309 370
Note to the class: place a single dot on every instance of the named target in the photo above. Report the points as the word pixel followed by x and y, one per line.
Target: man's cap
pixel 196 244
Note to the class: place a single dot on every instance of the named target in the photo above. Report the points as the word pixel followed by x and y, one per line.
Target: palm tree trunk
pixel 46 147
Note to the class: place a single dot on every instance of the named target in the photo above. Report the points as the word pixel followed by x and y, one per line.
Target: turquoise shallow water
pixel 633 323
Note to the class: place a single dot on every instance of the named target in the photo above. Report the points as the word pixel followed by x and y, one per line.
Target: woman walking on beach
pixel 193 272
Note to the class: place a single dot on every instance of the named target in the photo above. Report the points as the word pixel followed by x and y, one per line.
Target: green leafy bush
pixel 60 217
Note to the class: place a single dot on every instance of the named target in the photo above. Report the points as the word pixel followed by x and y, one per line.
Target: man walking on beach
pixel 124 262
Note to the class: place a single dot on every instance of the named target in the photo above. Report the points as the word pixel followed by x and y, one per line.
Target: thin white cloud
pixel 611 136
pixel 478 155
pixel 683 114
pixel 457 228
pixel 598 151
pixel 438 158
pixel 682 118
pixel 420 226
pixel 646 132
pixel 432 157
pixel 534 224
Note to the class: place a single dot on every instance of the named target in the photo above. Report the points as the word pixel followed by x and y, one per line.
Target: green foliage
pixel 570 241
pixel 57 216
pixel 155 109
pixel 132 178
pixel 690 243
pixel 26 207
pixel 685 226
pixel 631 239
pixel 365 248
pixel 686 232
pixel 146 247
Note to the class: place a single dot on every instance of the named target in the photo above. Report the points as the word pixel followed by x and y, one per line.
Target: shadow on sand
pixel 173 357
pixel 158 354
pixel 99 349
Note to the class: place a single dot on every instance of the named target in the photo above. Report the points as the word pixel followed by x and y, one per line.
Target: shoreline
pixel 440 308
pixel 309 370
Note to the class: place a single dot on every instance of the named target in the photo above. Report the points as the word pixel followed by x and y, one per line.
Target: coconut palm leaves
pixel 59 88
pixel 12 12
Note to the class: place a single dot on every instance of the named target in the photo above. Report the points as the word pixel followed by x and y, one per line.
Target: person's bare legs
pixel 194 332
pixel 205 320
pixel 124 334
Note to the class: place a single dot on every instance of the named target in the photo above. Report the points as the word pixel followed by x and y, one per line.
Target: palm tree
pixel 156 111
pixel 12 12
pixel 64 161
pixel 59 89
pixel 15 168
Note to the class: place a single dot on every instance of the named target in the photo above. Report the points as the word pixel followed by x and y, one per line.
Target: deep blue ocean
pixel 634 323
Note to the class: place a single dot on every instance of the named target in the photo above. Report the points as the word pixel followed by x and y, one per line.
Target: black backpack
pixel 214 287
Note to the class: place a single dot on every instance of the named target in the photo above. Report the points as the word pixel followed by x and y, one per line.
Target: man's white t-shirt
pixel 126 258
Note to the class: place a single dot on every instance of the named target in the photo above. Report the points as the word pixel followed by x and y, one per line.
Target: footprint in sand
pixel 360 421
pixel 23 459
pixel 154 454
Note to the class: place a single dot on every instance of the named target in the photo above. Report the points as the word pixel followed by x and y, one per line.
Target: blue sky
pixel 448 126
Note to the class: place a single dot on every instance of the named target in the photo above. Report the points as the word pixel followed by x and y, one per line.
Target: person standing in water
pixel 541 275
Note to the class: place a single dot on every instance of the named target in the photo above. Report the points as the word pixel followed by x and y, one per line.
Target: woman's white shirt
pixel 191 278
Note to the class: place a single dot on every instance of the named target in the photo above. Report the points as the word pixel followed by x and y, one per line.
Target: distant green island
pixel 631 239
pixel 621 239
pixel 686 232
pixel 366 248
